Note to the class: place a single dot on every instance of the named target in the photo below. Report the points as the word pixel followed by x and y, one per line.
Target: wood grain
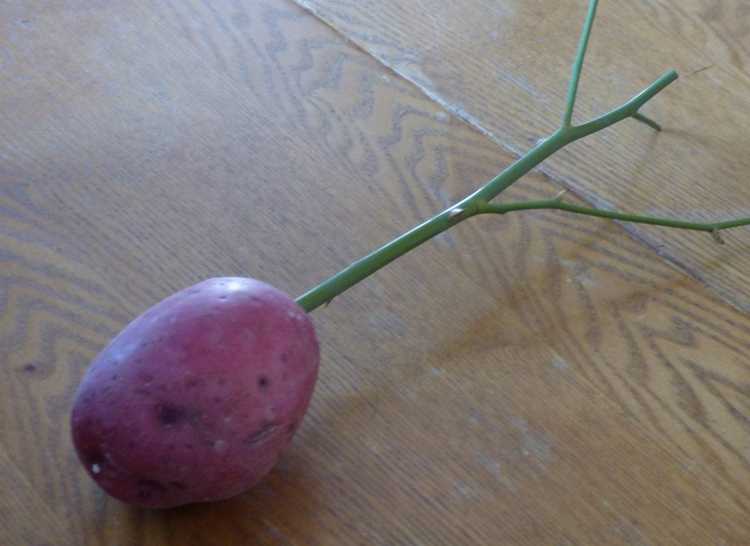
pixel 504 67
pixel 533 379
pixel 720 29
pixel 19 497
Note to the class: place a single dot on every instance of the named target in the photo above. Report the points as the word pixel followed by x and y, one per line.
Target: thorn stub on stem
pixel 716 234
pixel 559 197
pixel 647 120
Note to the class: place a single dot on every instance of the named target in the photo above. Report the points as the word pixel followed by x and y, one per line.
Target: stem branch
pixel 558 204
pixel 478 202
pixel 469 206
pixel 627 110
pixel 578 64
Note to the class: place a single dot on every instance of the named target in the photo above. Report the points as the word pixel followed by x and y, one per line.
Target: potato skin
pixel 195 399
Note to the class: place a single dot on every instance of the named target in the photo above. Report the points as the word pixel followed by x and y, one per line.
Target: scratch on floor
pixel 534 444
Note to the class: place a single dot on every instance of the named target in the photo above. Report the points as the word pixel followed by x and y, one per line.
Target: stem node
pixel 456 213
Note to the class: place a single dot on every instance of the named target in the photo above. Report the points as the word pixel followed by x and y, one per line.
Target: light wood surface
pixel 533 379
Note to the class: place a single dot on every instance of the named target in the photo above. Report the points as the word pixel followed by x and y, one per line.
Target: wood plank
pixel 521 380
pixel 504 67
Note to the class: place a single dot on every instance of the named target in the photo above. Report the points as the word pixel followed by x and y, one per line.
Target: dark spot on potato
pixel 263 382
pixel 149 488
pixel 29 368
pixel 169 415
pixel 285 357
pixel 196 417
pixel 223 298
pixel 291 427
pixel 92 456
pixel 192 382
pixel 217 400
pixel 188 446
pixel 131 444
pixel 178 485
pixel 147 378
pixel 221 381
pixel 115 377
pixel 264 433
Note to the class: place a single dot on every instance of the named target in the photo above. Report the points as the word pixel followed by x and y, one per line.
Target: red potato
pixel 196 399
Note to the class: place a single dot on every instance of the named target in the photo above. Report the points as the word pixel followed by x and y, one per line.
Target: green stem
pixel 469 206
pixel 627 110
pixel 558 204
pixel 578 64
pixel 478 201
pixel 564 136
pixel 583 43
pixel 364 267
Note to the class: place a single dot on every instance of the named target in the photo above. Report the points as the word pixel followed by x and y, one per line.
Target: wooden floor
pixel 536 379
